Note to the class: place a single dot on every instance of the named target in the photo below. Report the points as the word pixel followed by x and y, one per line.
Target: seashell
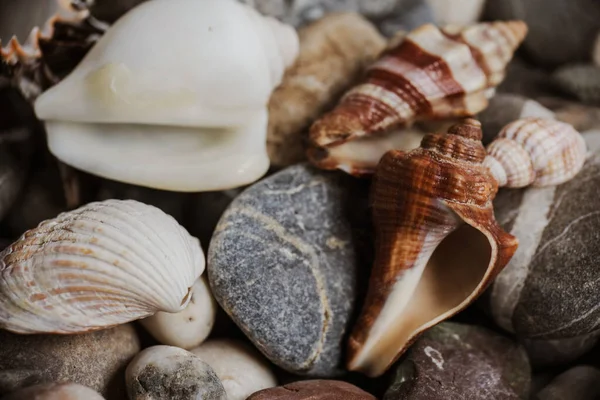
pixel 541 152
pixel 432 74
pixel 101 265
pixel 193 119
pixel 438 245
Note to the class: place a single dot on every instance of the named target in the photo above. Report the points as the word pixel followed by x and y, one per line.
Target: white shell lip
pixel 102 265
pixel 164 157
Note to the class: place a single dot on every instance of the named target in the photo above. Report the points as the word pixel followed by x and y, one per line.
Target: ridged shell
pixel 104 264
pixel 541 152
pixel 438 245
pixel 432 74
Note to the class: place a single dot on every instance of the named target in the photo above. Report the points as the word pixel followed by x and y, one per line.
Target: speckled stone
pixel 313 390
pixel 550 288
pixel 505 108
pixel 284 263
pixel 560 31
pixel 581 383
pixel 96 360
pixel 456 361
pixel 552 353
pixel 581 81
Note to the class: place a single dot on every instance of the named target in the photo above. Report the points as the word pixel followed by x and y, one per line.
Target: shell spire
pixel 535 151
pixel 438 245
pixel 432 74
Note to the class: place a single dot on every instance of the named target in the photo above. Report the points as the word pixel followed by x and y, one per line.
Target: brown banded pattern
pixel 432 74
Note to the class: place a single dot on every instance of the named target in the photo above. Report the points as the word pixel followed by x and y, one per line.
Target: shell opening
pixel 430 293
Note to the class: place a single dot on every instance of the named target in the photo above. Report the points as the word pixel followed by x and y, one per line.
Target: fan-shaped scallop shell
pixel 432 74
pixel 541 152
pixel 101 265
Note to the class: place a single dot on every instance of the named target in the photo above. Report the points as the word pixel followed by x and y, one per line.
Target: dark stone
pixel 96 360
pixel 560 31
pixel 526 80
pixel 111 10
pixel 456 361
pixel 285 261
pixel 580 81
pixel 581 383
pixel 552 353
pixel 550 288
pixel 313 390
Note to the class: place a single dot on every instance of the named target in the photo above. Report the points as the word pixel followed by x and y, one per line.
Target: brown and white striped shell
pixel 535 151
pixel 101 265
pixel 432 74
pixel 438 245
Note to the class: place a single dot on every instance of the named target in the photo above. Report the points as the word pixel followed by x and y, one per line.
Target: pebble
pixel 96 360
pixel 596 51
pixel 11 181
pixel 190 327
pixel 314 390
pixel 55 391
pixel 166 372
pixel 457 361
pixel 459 12
pixel 579 383
pixel 560 31
pixel 334 51
pixel 552 353
pixel 549 289
pixel 581 81
pixel 285 261
pixel 505 108
pixel 242 370
pixel 527 80
pixel 581 116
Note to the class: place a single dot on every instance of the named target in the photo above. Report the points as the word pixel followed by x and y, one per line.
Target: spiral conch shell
pixel 432 74
pixel 104 264
pixel 537 152
pixel 173 96
pixel 438 244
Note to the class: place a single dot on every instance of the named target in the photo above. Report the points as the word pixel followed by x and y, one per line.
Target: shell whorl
pixel 104 264
pixel 432 73
pixel 537 152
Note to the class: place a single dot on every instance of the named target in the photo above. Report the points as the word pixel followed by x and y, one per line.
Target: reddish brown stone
pixel 313 390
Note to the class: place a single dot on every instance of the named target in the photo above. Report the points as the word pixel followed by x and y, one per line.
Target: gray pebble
pixel 581 81
pixel 580 383
pixel 551 353
pixel 284 263
pixel 560 31
pixel 456 361
pixel 55 391
pixel 168 373
pixel 550 288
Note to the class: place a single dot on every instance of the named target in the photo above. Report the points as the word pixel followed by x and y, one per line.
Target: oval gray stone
pixel 581 81
pixel 550 288
pixel 579 383
pixel 457 361
pixel 551 353
pixel 284 263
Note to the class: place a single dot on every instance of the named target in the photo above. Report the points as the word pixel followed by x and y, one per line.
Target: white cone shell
pixel 104 264
pixel 206 65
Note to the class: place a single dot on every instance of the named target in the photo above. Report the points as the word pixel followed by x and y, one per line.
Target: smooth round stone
pixel 549 289
pixel 505 108
pixel 410 15
pixel 551 353
pixel 11 180
pixel 166 372
pixel 190 327
pixel 560 31
pixel 55 391
pixel 456 361
pixel 242 370
pixel 284 263
pixel 96 360
pixel 458 12
pixel 581 383
pixel 313 390
pixel 581 116
pixel 581 81
pixel 526 80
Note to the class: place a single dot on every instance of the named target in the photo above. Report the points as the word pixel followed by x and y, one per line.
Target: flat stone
pixel 552 353
pixel 313 390
pixel 285 261
pixel 55 391
pixel 581 81
pixel 96 360
pixel 550 288
pixel 456 361
pixel 560 31
pixel 579 383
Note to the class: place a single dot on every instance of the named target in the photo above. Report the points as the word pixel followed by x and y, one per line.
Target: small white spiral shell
pixel 104 264
pixel 540 152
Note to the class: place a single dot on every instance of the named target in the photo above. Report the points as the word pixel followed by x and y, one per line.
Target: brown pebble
pixel 313 390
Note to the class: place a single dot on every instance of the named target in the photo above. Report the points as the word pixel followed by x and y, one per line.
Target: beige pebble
pixel 459 12
pixel 55 391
